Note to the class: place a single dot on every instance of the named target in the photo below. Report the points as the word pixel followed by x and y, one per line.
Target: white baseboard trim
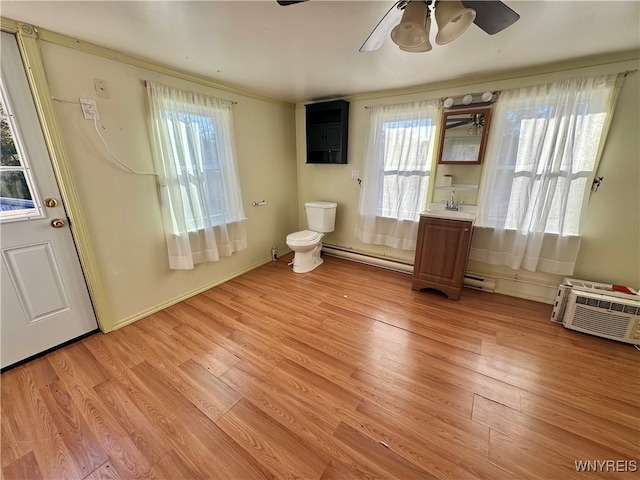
pixel 150 311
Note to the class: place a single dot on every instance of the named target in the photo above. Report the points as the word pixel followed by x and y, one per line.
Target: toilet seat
pixel 303 237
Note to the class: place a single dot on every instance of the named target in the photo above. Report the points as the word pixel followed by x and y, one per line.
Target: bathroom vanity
pixel 442 249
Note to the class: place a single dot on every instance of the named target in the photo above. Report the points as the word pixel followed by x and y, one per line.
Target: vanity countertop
pixel 466 212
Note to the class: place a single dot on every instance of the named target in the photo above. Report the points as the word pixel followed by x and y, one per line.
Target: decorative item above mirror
pixel 464 136
pixel 471 100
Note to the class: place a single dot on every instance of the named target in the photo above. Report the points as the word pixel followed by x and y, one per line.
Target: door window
pixel 17 195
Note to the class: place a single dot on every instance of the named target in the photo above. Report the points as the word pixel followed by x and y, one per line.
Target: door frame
pixel 29 46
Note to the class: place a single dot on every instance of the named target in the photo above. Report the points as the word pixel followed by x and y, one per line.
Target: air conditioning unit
pixel 603 315
pixel 609 311
pixel 560 306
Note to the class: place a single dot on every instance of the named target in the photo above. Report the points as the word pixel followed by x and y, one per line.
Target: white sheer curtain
pixel 396 173
pixel 543 151
pixel 194 152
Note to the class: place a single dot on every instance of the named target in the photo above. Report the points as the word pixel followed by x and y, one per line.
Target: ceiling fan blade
pixel 379 34
pixel 492 16
pixel 284 3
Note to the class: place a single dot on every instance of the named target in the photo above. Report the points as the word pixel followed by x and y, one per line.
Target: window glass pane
pixel 16 199
pixel 13 184
pixel 15 196
pixel 402 194
pixel 10 156
pixel 406 168
pixel 575 203
pixel 194 145
pixel 587 141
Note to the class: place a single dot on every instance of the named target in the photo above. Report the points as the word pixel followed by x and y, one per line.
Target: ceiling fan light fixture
pixel 411 32
pixel 426 46
pixel 453 19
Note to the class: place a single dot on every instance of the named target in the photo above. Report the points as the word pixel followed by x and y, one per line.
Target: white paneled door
pixel 45 301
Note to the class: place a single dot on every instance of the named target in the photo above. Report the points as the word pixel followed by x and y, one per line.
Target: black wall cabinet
pixel 327 132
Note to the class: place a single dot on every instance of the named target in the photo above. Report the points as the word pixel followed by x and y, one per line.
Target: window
pixel 545 144
pixel 195 159
pixel 16 197
pixel 397 170
pixel 406 147
pixel 563 168
pixel 193 139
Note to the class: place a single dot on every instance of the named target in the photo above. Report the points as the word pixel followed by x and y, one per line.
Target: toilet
pixel 307 244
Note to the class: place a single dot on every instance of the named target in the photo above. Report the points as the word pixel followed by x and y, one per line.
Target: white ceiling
pixel 309 51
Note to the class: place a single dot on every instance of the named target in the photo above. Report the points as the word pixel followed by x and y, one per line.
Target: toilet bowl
pixel 307 244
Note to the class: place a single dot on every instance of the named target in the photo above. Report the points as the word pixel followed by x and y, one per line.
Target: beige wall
pixel 611 247
pixel 122 210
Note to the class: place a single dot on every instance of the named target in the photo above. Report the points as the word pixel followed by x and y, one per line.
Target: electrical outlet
pixel 89 109
pixel 355 174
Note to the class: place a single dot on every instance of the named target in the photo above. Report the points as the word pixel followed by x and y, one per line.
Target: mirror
pixel 464 136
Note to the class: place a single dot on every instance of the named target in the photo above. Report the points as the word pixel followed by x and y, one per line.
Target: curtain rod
pixel 233 102
pixel 620 74
pixel 402 103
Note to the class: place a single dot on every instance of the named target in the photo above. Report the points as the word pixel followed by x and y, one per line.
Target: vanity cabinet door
pixel 441 255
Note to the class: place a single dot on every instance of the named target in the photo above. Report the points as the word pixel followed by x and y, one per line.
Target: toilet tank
pixel 321 216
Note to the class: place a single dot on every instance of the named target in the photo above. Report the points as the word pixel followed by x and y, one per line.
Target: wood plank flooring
pixel 340 373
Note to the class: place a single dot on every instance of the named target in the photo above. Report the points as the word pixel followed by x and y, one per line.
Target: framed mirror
pixel 464 136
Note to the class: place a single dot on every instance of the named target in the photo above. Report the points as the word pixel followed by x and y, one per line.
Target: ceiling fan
pixel 408 22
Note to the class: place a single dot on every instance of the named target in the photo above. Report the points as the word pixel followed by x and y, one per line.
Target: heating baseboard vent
pixel 470 280
pixel 603 315
pixel 480 283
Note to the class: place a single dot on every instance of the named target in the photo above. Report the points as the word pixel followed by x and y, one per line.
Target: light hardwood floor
pixel 344 372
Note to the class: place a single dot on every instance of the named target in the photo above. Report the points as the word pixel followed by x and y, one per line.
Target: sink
pixel 466 213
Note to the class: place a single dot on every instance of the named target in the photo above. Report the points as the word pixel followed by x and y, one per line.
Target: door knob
pixel 57 223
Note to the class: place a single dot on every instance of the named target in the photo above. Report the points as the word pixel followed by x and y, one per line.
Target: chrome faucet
pixel 451 203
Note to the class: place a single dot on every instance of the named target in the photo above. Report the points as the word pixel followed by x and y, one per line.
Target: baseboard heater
pixel 367 259
pixel 480 283
pixel 471 281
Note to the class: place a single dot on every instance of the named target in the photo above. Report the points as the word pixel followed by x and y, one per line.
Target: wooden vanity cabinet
pixel 441 255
